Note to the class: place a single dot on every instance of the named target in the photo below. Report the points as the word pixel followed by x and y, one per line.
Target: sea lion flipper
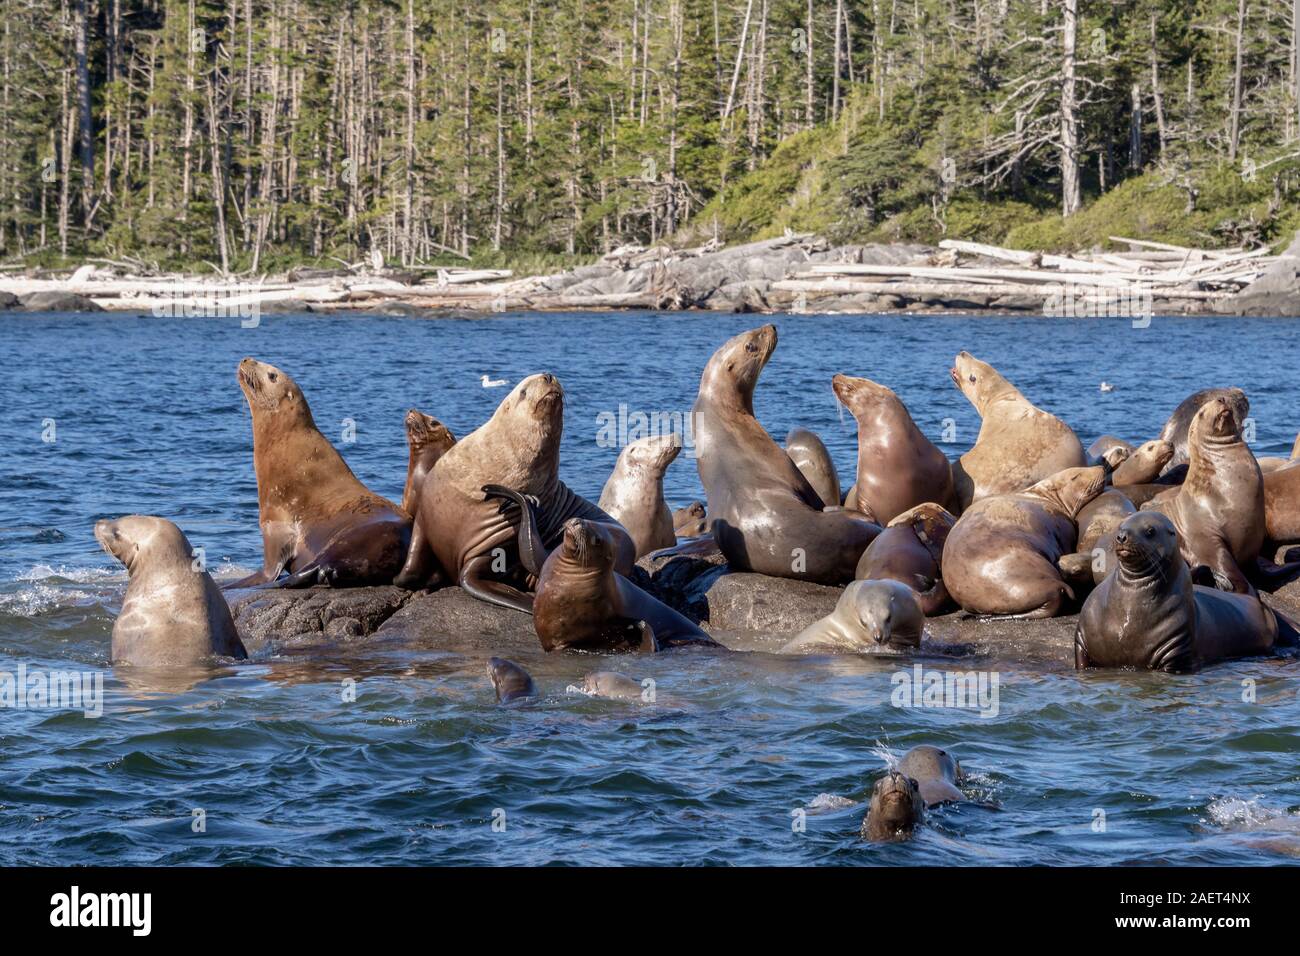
pixel 532 553
pixel 491 590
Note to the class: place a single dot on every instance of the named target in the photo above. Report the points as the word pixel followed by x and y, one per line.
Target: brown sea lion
pixel 910 550
pixel 898 467
pixel 460 529
pixel 634 494
pixel 936 774
pixel 1148 614
pixel 811 457
pixel 320 525
pixel 1282 504
pixel 1108 445
pixel 1219 509
pixel 1097 522
pixel 1018 444
pixel 173 614
pixel 1178 427
pixel 615 686
pixel 764 515
pixel 428 440
pixel 510 681
pixel 691 521
pixel 1143 465
pixel 1001 556
pixel 868 617
pixel 896 809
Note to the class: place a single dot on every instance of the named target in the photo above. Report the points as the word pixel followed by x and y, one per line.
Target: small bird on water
pixel 1105 386
pixel 494 382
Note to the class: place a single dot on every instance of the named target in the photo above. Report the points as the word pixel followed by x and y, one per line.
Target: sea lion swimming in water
pixel 810 456
pixel 764 514
pixel 910 550
pixel 320 525
pixel 173 614
pixel 510 681
pixel 936 774
pixel 613 686
pixel 634 494
pixel 428 440
pixel 869 616
pixel 896 809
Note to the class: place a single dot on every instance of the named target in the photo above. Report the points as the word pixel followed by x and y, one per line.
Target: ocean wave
pixel 42 598
pixel 1235 813
pixel 80 575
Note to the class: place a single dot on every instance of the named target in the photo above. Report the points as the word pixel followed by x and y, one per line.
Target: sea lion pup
pixel 1097 522
pixel 910 550
pixel 763 513
pixel 1219 509
pixel 509 680
pixel 936 774
pixel 173 614
pixel 612 685
pixel 896 809
pixel 459 529
pixel 320 525
pixel 1148 614
pixel 1001 556
pixel 1143 465
pixel 428 440
pixel 1177 429
pixel 869 616
pixel 1018 444
pixel 898 467
pixel 691 521
pixel 811 457
pixel 634 494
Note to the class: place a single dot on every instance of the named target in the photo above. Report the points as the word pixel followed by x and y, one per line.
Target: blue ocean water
pixel 106 415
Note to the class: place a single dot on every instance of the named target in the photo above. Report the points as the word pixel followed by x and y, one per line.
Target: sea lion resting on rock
pixel 473 537
pixel 764 514
pixel 1001 556
pixel 1110 449
pixel 634 494
pixel 810 456
pixel 898 467
pixel 869 616
pixel 896 809
pixel 1148 614
pixel 1177 429
pixel 1097 522
pixel 1143 464
pixel 510 681
pixel 1018 444
pixel 428 440
pixel 173 614
pixel 910 550
pixel 1282 504
pixel 691 521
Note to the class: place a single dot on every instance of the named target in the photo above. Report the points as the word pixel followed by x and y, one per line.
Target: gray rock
pixel 268 619
pixel 450 619
pixel 58 302
pixel 8 300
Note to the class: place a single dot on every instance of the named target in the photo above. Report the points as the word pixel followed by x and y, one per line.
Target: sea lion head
pixel 879 606
pixel 896 808
pixel 1215 422
pixel 532 417
pixel 653 454
pixel 926 761
pixel 137 539
pixel 734 369
pixel 1146 543
pixel 588 544
pixel 1071 488
pixel 979 381
pixel 1115 456
pixel 270 390
pixel 862 396
pixel 509 680
pixel 1155 453
pixel 425 431
pixel 930 523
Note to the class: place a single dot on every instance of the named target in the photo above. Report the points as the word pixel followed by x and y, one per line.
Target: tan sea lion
pixel 936 774
pixel 1219 509
pixel 691 521
pixel 320 525
pixel 1143 465
pixel 1097 522
pixel 510 681
pixel 173 614
pixel 764 515
pixel 1001 556
pixel 869 616
pixel 1148 614
pixel 896 809
pixel 1178 427
pixel 898 467
pixel 1108 445
pixel 472 536
pixel 428 440
pixel 1282 504
pixel 634 494
pixel 910 550
pixel 1018 444
pixel 612 685
pixel 811 457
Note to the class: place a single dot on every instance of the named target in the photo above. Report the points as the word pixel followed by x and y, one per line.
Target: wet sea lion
pixel 1178 427
pixel 763 513
pixel 459 529
pixel 936 774
pixel 1018 444
pixel 869 616
pixel 634 494
pixel 320 525
pixel 612 685
pixel 898 467
pixel 691 521
pixel 428 440
pixel 1143 465
pixel 1219 509
pixel 910 550
pixel 1097 522
pixel 173 614
pixel 811 457
pixel 896 809
pixel 1147 613
pixel 1001 556
pixel 509 680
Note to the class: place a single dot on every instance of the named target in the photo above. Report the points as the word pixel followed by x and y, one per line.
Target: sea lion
pixel 173 614
pixel 428 440
pixel 896 809
pixel 1143 465
pixel 1282 504
pixel 1001 555
pixel 910 550
pixel 1107 445
pixel 459 529
pixel 691 521
pixel 869 616
pixel 509 680
pixel 1272 463
pixel 898 467
pixel 634 494
pixel 811 457
pixel 1219 509
pixel 1147 613
pixel 612 685
pixel 763 513
pixel 1018 443
pixel 320 525
pixel 1177 428
pixel 936 774
pixel 1097 522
